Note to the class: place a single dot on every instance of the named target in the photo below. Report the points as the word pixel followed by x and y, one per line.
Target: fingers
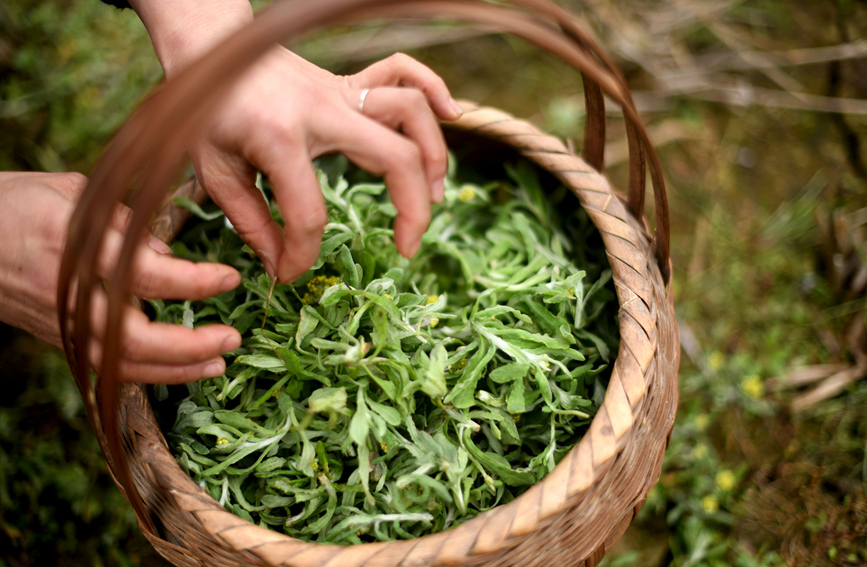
pixel 150 352
pixel 406 110
pixel 403 94
pixel 155 373
pixel 401 70
pixel 168 343
pixel 162 352
pixel 381 151
pixel 69 184
pixel 230 182
pixel 146 373
pixel 156 274
pixel 297 191
pixel 161 276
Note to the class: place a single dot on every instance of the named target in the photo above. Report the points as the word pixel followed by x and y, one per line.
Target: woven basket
pixel 574 515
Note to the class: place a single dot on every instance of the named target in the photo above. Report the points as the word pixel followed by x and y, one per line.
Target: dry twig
pixel 829 387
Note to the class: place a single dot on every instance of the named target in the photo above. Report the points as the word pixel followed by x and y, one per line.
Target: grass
pixel 761 281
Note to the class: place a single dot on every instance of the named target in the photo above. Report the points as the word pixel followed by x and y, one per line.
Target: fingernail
pixel 230 282
pixel 413 248
pixel 289 270
pixel 214 369
pixel 439 190
pixel 158 245
pixel 230 343
pixel 458 111
pixel 269 266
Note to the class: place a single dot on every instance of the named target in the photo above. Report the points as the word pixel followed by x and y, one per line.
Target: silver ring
pixel 361 98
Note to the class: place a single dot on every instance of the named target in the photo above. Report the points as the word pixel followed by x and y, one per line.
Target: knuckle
pixel 123 216
pixel 397 58
pixel 419 216
pixel 75 182
pixel 416 102
pixel 184 374
pixel 203 285
pixel 405 156
pixel 95 357
pixel 438 160
pixel 310 222
pixel 145 283
pixel 252 231
pixel 401 60
pixel 284 131
pixel 131 346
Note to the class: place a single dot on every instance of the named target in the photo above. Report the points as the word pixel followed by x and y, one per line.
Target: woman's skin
pixel 36 208
pixel 283 113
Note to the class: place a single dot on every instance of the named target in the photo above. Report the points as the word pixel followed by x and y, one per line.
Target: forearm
pixel 183 30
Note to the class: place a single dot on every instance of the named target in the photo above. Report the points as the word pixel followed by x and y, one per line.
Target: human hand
pixel 285 111
pixel 35 210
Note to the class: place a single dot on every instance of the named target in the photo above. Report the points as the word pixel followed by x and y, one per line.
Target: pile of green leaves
pixel 384 398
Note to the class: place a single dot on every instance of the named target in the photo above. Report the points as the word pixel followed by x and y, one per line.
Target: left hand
pixel 34 214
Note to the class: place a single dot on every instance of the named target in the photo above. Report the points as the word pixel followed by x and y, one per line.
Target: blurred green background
pixel 758 109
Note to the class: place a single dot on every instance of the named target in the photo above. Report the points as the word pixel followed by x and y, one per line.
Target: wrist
pixel 183 30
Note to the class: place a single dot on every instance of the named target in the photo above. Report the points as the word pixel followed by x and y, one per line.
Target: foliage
pixel 385 398
pixel 70 74
pixel 55 491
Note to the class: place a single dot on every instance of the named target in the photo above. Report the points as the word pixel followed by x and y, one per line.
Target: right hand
pixel 284 111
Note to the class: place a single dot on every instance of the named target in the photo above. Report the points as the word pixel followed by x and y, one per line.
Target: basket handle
pixel 145 159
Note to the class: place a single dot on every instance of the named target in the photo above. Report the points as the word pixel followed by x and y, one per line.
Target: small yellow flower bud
pixel 725 480
pixel 467 194
pixel 716 360
pixel 709 504
pixel 753 386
